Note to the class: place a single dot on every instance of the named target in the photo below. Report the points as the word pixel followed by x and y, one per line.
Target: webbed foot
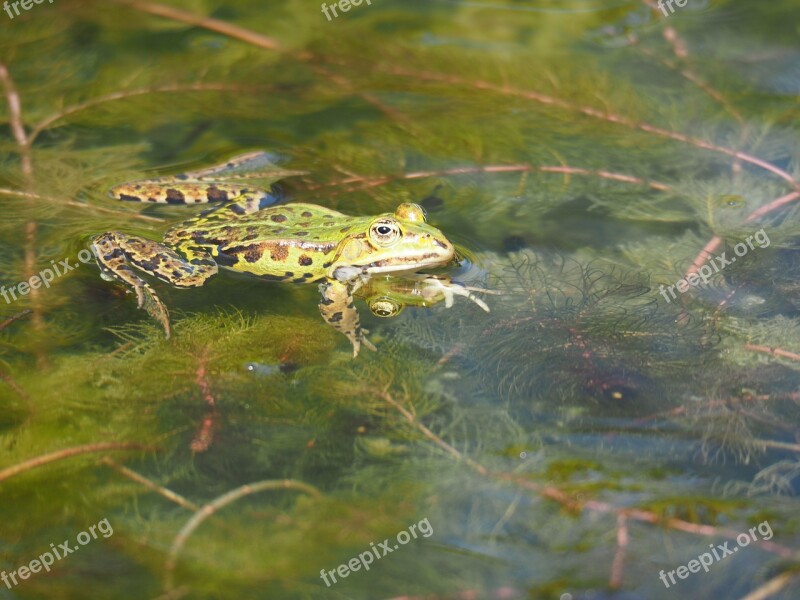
pixel 450 289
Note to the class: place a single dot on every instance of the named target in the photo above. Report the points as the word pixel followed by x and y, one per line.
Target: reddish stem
pixel 44 459
pixel 773 351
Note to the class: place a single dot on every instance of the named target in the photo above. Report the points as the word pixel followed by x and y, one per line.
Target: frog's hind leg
pixel 117 252
pixel 339 312
pixel 220 183
pixel 187 192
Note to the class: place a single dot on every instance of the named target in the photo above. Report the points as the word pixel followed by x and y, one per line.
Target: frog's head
pixel 393 243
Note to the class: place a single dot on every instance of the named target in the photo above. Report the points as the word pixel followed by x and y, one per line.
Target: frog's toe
pixel 359 338
pixel 154 307
pixel 368 344
pixel 358 342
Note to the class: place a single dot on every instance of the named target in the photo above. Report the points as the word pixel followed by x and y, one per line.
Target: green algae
pixel 583 405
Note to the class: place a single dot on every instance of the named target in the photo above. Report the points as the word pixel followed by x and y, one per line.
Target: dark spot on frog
pixel 305 214
pixel 304 224
pixel 175 196
pixel 301 233
pixel 149 265
pixel 326 265
pixel 115 253
pixel 129 198
pixel 252 253
pixel 305 260
pixel 440 244
pixel 336 317
pixel 152 200
pixel 278 218
pixel 205 241
pixel 215 194
pixel 345 229
pixel 182 177
pixel 239 210
pixel 276 251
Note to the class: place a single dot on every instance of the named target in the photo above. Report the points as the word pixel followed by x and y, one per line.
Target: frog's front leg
pixel 339 312
pixel 117 252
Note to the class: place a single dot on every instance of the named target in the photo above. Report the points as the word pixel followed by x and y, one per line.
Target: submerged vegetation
pixel 579 439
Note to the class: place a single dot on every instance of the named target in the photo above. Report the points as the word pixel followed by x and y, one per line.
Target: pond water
pixel 620 183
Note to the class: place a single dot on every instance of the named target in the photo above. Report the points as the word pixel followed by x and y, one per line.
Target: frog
pixel 249 231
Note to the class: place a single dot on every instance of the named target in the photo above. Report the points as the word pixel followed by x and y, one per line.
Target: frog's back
pixel 293 242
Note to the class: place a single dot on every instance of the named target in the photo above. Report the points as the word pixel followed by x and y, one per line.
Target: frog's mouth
pixel 412 264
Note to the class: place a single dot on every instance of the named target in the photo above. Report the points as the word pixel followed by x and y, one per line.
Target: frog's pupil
pixel 384 230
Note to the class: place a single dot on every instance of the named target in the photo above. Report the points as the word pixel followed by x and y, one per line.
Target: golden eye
pixel 385 308
pixel 385 233
pixel 410 212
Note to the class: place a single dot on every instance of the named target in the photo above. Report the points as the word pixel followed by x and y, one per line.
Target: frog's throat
pixel 352 272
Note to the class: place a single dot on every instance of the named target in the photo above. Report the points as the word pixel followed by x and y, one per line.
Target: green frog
pixel 296 242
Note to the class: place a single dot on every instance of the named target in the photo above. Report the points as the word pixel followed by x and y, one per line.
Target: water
pixel 594 436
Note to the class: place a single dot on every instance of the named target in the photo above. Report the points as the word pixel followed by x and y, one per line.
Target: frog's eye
pixel 410 212
pixel 385 233
pixel 385 308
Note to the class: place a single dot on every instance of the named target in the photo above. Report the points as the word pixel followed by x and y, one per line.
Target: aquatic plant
pixel 584 435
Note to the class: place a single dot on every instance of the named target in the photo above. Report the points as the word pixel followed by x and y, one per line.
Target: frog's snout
pixel 441 246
